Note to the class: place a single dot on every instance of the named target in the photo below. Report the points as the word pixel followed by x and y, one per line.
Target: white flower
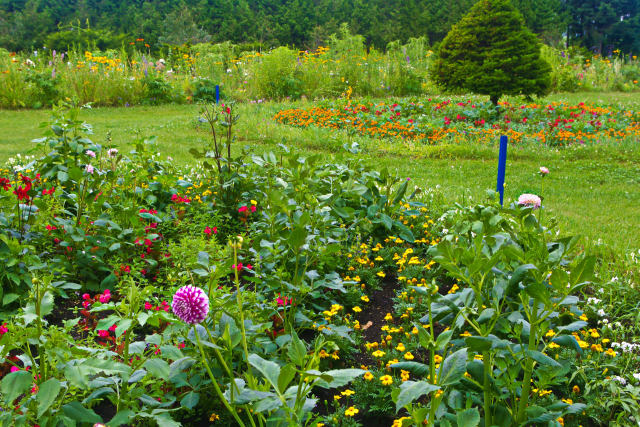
pixel 637 376
pixel 619 379
pixel 112 152
pixel 601 313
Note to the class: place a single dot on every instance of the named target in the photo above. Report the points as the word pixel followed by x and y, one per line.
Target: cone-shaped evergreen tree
pixel 491 52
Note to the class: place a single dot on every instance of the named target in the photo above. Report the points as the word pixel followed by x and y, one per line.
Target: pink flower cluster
pixel 103 298
pixel 530 200
pixel 208 230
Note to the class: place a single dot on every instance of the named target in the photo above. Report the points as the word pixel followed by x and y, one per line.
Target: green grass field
pixel 593 191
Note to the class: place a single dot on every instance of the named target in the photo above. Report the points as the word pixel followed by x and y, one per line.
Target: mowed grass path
pixel 592 191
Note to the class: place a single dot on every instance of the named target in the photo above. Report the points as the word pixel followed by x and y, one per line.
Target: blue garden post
pixel 217 94
pixel 502 166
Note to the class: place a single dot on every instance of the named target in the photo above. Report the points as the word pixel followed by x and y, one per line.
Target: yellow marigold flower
pixel 549 333
pixel 610 352
pixel 568 401
pixel 594 333
pixel 214 417
pixel 605 341
pixel 404 375
pixel 553 345
pixel 583 317
pixel 414 331
pixel 351 411
pixel 437 358
pixel 560 421
pixel 381 274
pixel 378 258
pixel 583 344
pixel 347 392
pixel 596 347
pixel 337 397
pixel 319 424
pixel 386 380
pixel 438 393
pixel 364 298
pixel 368 376
pixel 398 422
pixel 323 354
pixel 408 355
pixel 357 309
pixel 378 353
pixel 576 389
pixel 465 334
pixel 400 347
pixel 388 317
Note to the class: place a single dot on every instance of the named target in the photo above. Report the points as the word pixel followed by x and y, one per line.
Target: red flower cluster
pixel 5 184
pixel 164 306
pixel 178 199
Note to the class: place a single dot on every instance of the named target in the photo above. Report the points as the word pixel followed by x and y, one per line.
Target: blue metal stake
pixel 502 166
pixel 217 94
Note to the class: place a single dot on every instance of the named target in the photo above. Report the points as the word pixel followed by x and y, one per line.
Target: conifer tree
pixel 491 52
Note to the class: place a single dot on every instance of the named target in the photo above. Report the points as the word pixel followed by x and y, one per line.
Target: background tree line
pixel 598 25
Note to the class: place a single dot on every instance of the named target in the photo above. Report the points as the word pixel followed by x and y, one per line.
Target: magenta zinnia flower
pixel 529 200
pixel 190 304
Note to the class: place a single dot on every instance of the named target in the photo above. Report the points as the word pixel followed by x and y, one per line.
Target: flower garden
pixel 281 289
pixel 440 120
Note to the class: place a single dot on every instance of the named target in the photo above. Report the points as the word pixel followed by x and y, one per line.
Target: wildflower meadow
pixel 316 238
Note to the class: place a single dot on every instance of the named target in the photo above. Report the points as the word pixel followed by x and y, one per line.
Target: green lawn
pixel 593 191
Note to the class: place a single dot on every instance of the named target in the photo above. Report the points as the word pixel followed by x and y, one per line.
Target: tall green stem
pixel 240 305
pixel 486 360
pixel 215 382
pixel 528 370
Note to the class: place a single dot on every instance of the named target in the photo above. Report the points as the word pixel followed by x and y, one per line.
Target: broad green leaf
pixel 583 271
pixel 412 390
pixel 122 327
pixel 190 400
pixel 573 326
pixel 542 358
pixel 453 368
pixel 468 418
pixel 121 417
pixel 297 350
pixel 270 370
pixel 77 412
pixel 443 339
pixel 76 377
pixel 568 341
pixel 158 368
pixel 416 368
pixel 287 374
pixel 340 377
pixel 14 384
pixel 47 394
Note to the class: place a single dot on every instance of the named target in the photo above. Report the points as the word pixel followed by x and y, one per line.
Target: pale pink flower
pixel 544 170
pixel 89 169
pixel 529 200
pixel 91 153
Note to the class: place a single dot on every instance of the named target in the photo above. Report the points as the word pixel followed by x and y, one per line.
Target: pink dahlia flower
pixel 190 304
pixel 529 200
